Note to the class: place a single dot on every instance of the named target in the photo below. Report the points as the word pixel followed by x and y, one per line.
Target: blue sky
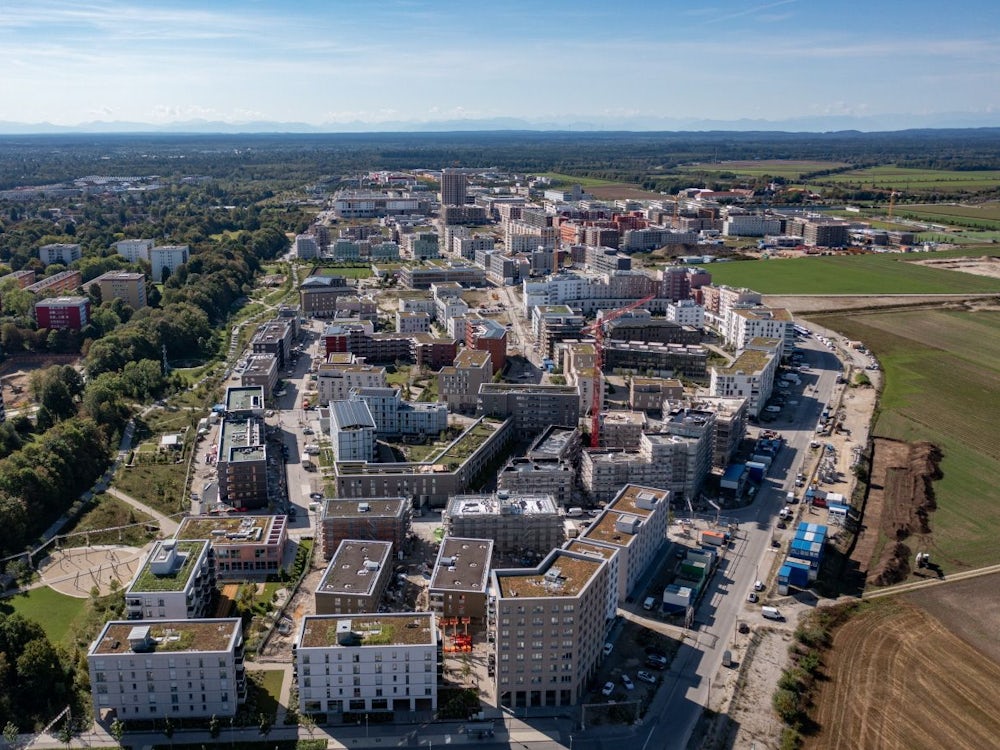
pixel 341 61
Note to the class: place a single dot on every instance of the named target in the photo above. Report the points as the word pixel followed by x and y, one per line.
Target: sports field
pixel 941 373
pixel 849 274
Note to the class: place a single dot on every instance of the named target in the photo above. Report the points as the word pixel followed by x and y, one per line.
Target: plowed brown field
pixel 898 678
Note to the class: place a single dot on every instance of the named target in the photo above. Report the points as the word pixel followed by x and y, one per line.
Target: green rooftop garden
pixel 176 581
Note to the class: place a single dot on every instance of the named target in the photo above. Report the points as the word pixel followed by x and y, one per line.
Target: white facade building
pixel 172 669
pixel 134 250
pixel 60 252
pixel 368 663
pixel 167 257
pixel 750 376
pixel 686 312
pixel 175 582
pixel 352 430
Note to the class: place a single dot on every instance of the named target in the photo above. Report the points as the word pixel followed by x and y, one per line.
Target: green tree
pixel 265 725
pixel 118 731
pixel 214 727
pixel 11 735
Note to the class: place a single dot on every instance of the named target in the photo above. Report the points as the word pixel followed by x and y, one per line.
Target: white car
pixel 608 648
pixel 627 682
pixel 608 689
pixel 647 677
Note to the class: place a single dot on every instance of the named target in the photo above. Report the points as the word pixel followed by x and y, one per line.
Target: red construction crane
pixel 596 329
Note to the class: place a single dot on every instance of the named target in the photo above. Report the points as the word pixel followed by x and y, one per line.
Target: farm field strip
pixel 790 168
pixel 935 391
pixel 859 274
pixel 885 692
pixel 903 179
pixel 989 211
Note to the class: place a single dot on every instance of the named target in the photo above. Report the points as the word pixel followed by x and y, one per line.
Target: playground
pixel 75 571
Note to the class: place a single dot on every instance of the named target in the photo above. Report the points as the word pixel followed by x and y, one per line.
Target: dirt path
pixel 814 303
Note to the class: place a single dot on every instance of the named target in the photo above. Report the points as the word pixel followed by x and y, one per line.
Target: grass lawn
pixel 55 612
pixel 941 370
pixel 348 272
pixel 160 486
pixel 568 180
pixel 851 274
pixel 268 697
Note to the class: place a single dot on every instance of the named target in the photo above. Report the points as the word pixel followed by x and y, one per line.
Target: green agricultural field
pixel 985 216
pixel 850 274
pixel 568 180
pixel 55 612
pixel 790 169
pixel 941 373
pixel 913 180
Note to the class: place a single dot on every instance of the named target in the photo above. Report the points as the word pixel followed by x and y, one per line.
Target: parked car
pixel 627 682
pixel 608 648
pixel 647 677
pixel 752 597
pixel 608 689
pixel 656 661
pixel 758 585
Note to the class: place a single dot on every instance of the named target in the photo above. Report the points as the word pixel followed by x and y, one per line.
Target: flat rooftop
pixel 560 574
pixel 167 635
pixel 749 362
pixel 631 495
pixel 404 629
pixel 584 547
pixel 605 529
pixel 241 440
pixel 370 508
pixel 501 504
pixel 355 567
pixel 469 357
pixel 463 565
pixel 260 364
pixel 553 442
pixel 231 530
pixel 244 398
pixel 188 553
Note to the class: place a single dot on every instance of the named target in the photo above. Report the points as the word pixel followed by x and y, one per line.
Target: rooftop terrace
pixel 230 530
pixel 167 635
pixel 559 575
pixel 405 629
pixel 188 553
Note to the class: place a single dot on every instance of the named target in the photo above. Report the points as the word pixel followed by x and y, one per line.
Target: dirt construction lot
pixel 901 678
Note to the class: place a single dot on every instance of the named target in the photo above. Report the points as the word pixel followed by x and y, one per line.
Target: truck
pixel 771 613
pixel 715 538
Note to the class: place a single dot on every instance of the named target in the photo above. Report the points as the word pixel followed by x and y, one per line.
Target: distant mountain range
pixel 578 123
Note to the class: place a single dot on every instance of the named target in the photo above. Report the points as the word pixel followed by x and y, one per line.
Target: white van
pixel 649 603
pixel 574 512
pixel 771 613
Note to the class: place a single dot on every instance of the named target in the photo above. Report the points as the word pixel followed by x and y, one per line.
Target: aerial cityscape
pixel 358 390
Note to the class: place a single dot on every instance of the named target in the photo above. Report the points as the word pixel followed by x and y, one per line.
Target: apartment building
pixel 384 518
pixel 319 295
pixel 663 360
pixel 648 394
pixel 750 376
pixel 533 408
pixel 634 523
pixel 336 378
pixel 59 252
pixel 356 578
pixel 134 250
pixel 432 272
pixel 422 246
pixel 306 247
pixel 63 312
pixel 274 337
pixel 487 335
pixel 165 259
pixel 366 204
pixel 553 324
pixel 458 385
pixel 750 225
pixel 460 580
pixel 686 312
pixel 243 546
pixel 394 416
pixel 412 322
pixel 125 285
pixel 743 324
pixel 730 426
pixel 453 187
pixel 367 663
pixel 64 281
pixel 171 669
pixel 516 523
pixel 352 430
pixel 241 465
pixel 605 552
pixel 642 327
pixel 261 371
pixel 175 582
pixel 550 624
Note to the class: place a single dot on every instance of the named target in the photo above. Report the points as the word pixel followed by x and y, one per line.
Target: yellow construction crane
pixel 892 202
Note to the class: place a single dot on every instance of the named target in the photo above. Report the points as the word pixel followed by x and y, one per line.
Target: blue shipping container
pixel 798 573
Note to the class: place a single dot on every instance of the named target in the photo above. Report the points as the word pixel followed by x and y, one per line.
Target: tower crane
pixel 596 329
pixel 892 203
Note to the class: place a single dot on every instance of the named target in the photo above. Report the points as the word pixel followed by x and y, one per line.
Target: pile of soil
pixel 906 472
